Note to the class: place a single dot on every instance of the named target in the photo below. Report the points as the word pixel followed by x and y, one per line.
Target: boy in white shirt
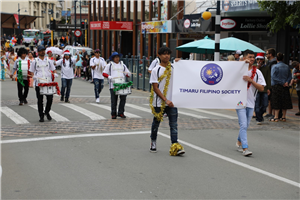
pixel 256 83
pixel 161 101
pixel 98 65
pixel 116 69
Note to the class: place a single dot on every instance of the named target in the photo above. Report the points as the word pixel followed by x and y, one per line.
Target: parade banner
pixel 209 85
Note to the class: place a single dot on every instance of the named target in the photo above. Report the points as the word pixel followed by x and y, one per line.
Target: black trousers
pixel 23 95
pixel 114 102
pixel 40 102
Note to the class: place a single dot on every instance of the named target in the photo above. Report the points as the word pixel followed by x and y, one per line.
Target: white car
pixel 73 50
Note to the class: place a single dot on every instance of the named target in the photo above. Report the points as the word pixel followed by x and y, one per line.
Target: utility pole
pixel 80 22
pixel 19 19
pixel 75 21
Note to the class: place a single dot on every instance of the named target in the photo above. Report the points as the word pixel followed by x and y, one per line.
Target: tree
pixel 285 13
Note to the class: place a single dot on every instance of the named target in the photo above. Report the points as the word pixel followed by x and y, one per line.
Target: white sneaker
pixel 239 147
pixel 153 147
pixel 259 123
pixel 165 115
pixel 247 152
pixel 97 100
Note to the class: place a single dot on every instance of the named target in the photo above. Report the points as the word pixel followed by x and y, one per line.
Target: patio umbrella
pixel 195 46
pixel 232 44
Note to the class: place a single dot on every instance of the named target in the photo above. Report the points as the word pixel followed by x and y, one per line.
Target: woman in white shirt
pixel 67 74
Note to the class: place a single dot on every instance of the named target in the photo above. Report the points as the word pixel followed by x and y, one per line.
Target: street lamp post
pixel 19 18
pixel 207 15
pixel 75 19
pixel 80 22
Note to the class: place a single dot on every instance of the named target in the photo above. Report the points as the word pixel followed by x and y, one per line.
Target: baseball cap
pixel 238 52
pixel 41 48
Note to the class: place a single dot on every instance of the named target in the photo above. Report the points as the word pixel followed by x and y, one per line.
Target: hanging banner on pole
pixel 16 18
pixel 209 85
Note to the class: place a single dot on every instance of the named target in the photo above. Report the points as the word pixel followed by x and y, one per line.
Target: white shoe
pixel 165 115
pixel 239 147
pixel 97 100
pixel 259 123
pixel 247 152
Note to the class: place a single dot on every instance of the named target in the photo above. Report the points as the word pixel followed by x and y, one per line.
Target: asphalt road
pixel 116 163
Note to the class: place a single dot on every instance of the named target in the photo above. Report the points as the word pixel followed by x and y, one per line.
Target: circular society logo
pixel 211 74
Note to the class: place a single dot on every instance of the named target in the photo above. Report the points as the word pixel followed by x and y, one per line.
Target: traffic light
pixel 83 25
pixel 86 26
pixel 52 24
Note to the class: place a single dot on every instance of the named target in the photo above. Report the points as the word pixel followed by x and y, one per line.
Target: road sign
pixel 77 33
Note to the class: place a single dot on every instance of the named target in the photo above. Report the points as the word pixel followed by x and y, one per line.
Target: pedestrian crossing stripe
pixel 91 115
pixel 180 112
pixel 18 119
pixel 207 112
pixel 130 115
pixel 54 115
pixel 213 113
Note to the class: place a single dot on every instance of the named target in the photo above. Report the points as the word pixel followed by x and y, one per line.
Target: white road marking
pixel 90 96
pixel 83 111
pixel 179 112
pixel 212 113
pixel 54 115
pixel 255 169
pixel 18 119
pixel 71 136
pixel 148 110
pixel 130 115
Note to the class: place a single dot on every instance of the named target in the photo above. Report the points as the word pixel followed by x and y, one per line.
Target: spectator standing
pixel 280 78
pixel 271 53
pixel 78 66
pixel 261 102
pixel 237 55
pixel 296 79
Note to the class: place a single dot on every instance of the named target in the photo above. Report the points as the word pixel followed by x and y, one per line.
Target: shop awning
pixel 8 20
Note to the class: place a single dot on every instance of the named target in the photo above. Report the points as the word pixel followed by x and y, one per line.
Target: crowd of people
pixel 269 81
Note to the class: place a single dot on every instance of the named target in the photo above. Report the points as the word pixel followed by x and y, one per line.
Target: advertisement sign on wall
pixel 191 23
pixel 244 23
pixel 157 27
pixel 234 5
pixel 111 25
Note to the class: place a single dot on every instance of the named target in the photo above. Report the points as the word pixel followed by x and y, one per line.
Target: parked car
pixel 74 49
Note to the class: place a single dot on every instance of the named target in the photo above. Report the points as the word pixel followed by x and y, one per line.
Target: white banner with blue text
pixel 209 84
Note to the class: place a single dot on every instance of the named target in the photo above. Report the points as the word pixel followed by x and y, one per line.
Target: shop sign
pixel 238 5
pixel 111 25
pixel 191 23
pixel 227 23
pixel 157 26
pixel 243 23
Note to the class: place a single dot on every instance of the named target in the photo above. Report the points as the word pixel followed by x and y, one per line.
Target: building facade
pixel 42 10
